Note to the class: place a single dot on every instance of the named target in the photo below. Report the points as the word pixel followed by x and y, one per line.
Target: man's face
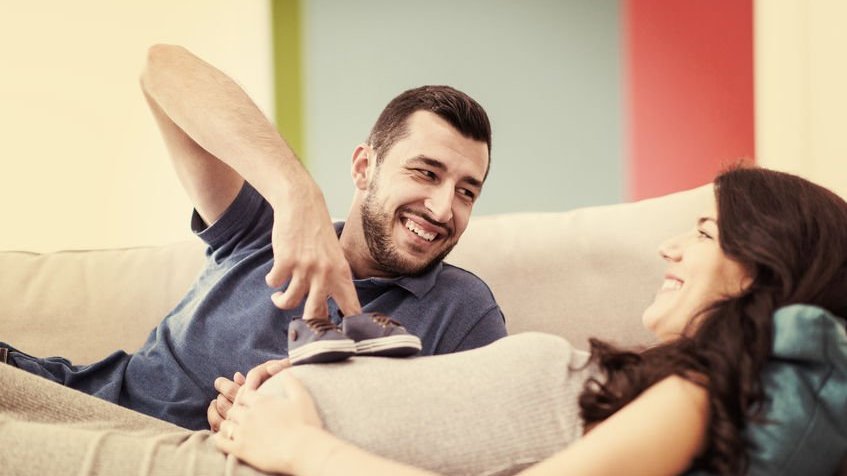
pixel 419 198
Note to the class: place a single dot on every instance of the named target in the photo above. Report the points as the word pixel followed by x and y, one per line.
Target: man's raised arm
pixel 218 137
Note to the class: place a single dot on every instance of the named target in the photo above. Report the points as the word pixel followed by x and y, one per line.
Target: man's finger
pixel 223 404
pixel 345 297
pixel 215 419
pixel 238 378
pixel 279 273
pixel 316 306
pixel 292 296
pixel 226 387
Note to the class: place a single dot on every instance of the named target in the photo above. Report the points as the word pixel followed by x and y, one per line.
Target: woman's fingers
pixel 247 398
pixel 236 412
pixel 300 398
pixel 257 375
pixel 294 388
pixel 224 444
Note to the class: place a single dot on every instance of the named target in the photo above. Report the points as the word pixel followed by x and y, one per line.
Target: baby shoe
pixel 313 341
pixel 378 335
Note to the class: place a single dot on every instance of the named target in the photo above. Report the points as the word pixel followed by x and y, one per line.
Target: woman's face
pixel 698 274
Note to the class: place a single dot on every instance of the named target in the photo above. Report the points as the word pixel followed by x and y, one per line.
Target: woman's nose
pixel 669 250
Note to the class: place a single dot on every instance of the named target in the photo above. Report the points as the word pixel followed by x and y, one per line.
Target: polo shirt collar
pixel 418 285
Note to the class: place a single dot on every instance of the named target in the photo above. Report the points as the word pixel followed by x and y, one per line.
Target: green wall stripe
pixel 287 51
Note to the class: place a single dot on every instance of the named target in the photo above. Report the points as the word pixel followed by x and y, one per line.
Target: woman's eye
pixel 703 234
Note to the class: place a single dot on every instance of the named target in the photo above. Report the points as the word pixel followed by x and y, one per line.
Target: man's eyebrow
pixel 437 164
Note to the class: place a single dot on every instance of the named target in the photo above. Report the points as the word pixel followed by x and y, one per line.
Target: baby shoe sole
pixel 320 352
pixel 389 346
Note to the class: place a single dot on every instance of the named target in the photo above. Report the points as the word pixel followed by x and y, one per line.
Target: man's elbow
pixel 162 51
pixel 159 56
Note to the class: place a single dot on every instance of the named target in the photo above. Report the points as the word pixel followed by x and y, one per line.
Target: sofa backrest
pixel 587 272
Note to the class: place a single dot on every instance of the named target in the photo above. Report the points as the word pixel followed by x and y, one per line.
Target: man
pixel 266 224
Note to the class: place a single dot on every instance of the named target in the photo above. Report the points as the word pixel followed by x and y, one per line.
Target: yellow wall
pixel 81 162
pixel 801 101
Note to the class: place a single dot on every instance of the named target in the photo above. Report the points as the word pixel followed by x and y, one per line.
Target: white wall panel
pixel 801 70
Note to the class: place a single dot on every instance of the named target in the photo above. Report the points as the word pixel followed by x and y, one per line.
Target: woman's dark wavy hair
pixel 791 237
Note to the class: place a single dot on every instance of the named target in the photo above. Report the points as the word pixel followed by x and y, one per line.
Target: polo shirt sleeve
pixel 491 326
pixel 247 222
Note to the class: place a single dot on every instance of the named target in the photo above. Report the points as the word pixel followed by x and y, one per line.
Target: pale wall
pixel 547 71
pixel 81 162
pixel 801 100
pixel 82 165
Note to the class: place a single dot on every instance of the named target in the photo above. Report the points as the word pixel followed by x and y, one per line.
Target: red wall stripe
pixel 689 86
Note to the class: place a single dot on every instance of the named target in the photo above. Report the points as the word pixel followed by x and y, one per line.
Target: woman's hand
pixel 228 389
pixel 274 434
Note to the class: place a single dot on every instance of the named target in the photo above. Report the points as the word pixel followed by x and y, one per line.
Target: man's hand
pixel 218 138
pixel 219 408
pixel 228 389
pixel 306 250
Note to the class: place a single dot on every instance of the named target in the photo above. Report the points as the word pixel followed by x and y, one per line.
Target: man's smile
pixel 420 230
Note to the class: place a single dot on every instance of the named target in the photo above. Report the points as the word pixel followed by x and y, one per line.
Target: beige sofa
pixel 587 272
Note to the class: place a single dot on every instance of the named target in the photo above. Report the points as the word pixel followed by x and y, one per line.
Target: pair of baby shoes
pixel 312 341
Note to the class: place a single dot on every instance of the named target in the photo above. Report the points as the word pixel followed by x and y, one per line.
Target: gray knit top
pixel 489 411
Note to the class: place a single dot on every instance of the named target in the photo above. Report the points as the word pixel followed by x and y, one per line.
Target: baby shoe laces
pixel 384 320
pixel 320 326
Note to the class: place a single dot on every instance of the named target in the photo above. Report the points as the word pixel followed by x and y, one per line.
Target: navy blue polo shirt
pixel 227 322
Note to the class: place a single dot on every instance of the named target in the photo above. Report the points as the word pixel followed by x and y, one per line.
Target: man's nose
pixel 440 203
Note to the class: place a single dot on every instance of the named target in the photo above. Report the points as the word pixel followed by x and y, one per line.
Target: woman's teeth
pixel 671 285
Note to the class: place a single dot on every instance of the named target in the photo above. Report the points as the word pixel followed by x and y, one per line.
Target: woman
pixel 768 240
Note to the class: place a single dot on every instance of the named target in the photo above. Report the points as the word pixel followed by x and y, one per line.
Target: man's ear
pixel 361 166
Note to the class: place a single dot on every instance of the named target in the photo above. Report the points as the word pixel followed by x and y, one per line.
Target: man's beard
pixel 377 227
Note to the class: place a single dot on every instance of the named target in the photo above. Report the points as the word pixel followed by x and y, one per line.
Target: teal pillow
pixel 806 386
pixel 805 383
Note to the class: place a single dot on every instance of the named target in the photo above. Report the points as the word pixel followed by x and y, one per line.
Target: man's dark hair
pixel 452 105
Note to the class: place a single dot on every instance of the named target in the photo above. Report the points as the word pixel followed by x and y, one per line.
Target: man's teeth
pixel 414 228
pixel 671 285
